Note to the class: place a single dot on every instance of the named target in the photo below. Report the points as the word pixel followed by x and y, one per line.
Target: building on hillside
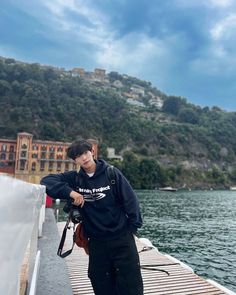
pixel 135 102
pixel 158 102
pixel 78 72
pixel 29 160
pixel 98 75
pixel 117 84
pixel 137 89
pixel 101 73
pixel 130 95
pixel 111 154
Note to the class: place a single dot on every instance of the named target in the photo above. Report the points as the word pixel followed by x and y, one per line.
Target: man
pixel 110 220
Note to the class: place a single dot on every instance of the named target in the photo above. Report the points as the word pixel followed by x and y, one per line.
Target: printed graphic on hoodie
pixel 95 194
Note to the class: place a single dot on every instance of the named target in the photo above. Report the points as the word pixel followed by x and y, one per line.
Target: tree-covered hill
pixel 172 141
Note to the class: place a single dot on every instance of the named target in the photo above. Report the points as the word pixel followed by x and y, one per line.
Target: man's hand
pixel 78 198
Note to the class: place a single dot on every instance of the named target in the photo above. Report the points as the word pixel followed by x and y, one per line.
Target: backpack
pixel 111 175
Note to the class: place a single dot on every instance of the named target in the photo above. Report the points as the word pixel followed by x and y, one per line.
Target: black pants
pixel 114 267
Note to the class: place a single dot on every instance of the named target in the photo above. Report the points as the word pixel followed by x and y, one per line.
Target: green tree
pixel 5 87
pixel 150 174
pixel 130 168
pixel 172 105
pixel 187 115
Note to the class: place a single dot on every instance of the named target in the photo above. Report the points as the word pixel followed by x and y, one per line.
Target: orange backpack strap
pixel 79 238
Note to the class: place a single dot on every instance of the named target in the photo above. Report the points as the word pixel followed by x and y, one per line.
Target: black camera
pixel 73 212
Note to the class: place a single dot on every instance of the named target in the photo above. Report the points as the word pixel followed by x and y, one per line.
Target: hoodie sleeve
pixel 59 186
pixel 129 202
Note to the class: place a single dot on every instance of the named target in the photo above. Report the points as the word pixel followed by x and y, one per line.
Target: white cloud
pixel 59 9
pixel 208 3
pixel 216 62
pixel 221 3
pixel 131 52
pixel 224 29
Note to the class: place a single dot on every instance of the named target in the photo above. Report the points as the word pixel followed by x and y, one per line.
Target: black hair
pixel 78 147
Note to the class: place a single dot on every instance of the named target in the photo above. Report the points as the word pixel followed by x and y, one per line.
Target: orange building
pixel 29 160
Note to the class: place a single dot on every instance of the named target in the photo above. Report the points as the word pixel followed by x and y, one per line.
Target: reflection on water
pixel 198 228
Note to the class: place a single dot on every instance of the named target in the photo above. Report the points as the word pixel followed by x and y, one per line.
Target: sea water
pixel 197 227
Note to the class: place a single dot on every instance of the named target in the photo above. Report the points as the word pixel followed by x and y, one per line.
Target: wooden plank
pixel 180 281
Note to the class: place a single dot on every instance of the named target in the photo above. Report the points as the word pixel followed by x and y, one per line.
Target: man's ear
pixel 92 151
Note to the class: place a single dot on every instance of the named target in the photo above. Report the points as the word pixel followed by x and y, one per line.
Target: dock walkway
pixel 180 281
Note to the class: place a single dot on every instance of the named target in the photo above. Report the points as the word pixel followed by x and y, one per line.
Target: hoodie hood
pixel 101 166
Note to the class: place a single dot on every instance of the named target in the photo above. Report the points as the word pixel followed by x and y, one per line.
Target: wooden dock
pixel 180 281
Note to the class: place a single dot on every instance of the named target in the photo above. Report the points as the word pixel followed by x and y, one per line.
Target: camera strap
pixel 63 238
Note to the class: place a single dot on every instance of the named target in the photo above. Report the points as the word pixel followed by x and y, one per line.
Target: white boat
pixel 168 189
pixel 232 188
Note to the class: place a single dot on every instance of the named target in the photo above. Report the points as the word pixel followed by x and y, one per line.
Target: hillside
pixel 172 141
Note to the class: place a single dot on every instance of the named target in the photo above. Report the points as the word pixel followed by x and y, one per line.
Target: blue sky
pixel 183 47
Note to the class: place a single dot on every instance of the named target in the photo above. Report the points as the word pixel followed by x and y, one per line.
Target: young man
pixel 110 220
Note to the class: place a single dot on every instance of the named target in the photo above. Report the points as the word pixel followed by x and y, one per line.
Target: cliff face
pixel 196 144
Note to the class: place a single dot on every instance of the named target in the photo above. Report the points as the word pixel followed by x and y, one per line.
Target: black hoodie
pixel 105 215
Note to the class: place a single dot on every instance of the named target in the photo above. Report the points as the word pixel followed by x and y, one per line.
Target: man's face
pixel 86 161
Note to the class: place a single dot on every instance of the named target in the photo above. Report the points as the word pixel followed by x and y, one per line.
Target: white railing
pixel 22 211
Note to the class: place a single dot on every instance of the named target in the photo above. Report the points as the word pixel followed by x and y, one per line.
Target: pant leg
pixel 127 266
pixel 101 271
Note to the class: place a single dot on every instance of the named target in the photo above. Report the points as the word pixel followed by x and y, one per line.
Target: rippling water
pixel 198 228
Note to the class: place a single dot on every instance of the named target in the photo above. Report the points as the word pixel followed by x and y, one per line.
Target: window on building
pixel 50 167
pixel 22 164
pixel 43 155
pixel 60 149
pixel 33 168
pixel 3 164
pixel 67 167
pixel 23 154
pixel 11 148
pixel 58 166
pixel 42 165
pixel 4 148
pixel 43 148
pixel 51 155
pixel 35 147
pixel 59 157
pixel 3 156
pixel 34 156
pixel 51 148
pixel 24 146
pixel 11 157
